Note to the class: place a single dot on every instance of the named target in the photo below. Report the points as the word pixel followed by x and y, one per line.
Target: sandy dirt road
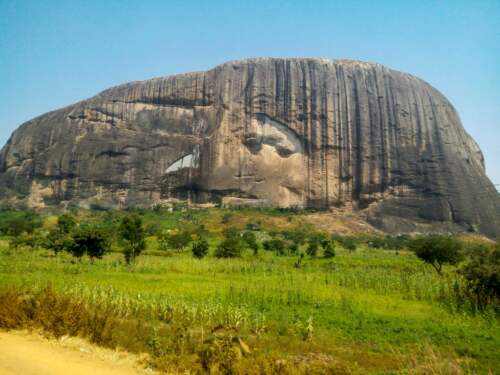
pixel 30 354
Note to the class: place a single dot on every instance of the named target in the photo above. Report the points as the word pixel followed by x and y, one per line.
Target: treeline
pixel 478 265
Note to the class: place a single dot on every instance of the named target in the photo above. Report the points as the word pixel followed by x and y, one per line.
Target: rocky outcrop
pixel 285 132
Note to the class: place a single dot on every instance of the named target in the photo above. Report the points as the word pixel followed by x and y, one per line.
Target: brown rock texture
pixel 288 132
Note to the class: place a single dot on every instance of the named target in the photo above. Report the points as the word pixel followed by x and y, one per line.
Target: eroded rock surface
pixel 285 132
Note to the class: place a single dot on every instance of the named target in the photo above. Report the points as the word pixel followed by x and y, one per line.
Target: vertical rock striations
pixel 287 132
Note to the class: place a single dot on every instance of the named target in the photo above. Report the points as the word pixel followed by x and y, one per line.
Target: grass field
pixel 368 311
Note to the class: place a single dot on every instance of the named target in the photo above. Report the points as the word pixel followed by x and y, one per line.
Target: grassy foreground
pixel 368 311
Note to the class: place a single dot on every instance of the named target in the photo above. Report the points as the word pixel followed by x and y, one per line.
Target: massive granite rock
pixel 291 132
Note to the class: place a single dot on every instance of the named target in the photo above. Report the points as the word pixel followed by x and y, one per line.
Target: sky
pixel 54 53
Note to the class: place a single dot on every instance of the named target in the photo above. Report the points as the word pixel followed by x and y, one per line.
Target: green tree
pixel 328 249
pixel 231 246
pixel 19 222
pixel 66 223
pixel 437 250
pixel 175 240
pixel 87 239
pixel 482 274
pixel 153 229
pixel 200 248
pixel 59 242
pixel 312 247
pixel 251 241
pixel 276 245
pixel 133 235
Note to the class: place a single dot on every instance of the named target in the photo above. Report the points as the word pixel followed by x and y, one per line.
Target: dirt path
pixel 29 354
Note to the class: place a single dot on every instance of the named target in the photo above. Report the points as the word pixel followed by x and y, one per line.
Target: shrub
pixel 226 218
pixel 177 240
pixel 30 240
pixel 66 223
pixel 328 249
pixel 312 248
pixel 200 249
pixel 15 223
pixel 482 274
pixel 153 229
pixel 277 245
pixel 59 242
pixel 251 241
pixel 293 248
pixel 348 243
pixel 87 239
pixel 133 235
pixel 231 246
pixel 437 250
pixel 296 236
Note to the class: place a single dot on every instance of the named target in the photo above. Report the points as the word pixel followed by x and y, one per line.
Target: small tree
pixel 251 241
pixel 177 240
pixel 276 245
pixel 200 249
pixel 226 218
pixel 437 250
pixel 59 242
pixel 482 274
pixel 153 229
pixel 133 235
pixel 20 222
pixel 312 248
pixel 231 246
pixel 328 249
pixel 66 223
pixel 87 239
pixel 293 248
pixel 349 244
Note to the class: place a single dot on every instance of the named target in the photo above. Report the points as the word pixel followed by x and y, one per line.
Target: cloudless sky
pixel 54 53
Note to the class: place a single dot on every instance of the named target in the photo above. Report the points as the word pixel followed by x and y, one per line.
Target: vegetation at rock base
pixel 133 235
pixel 200 249
pixel 217 306
pixel 437 250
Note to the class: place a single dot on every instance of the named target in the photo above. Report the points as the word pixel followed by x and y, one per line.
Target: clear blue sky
pixel 53 53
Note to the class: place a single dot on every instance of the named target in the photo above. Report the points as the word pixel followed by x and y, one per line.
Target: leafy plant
pixel 231 246
pixel 482 274
pixel 87 239
pixel 437 250
pixel 200 249
pixel 133 235
pixel 251 241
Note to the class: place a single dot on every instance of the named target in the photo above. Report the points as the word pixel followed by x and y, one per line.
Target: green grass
pixel 376 311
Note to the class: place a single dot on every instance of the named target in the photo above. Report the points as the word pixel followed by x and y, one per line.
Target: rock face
pixel 283 132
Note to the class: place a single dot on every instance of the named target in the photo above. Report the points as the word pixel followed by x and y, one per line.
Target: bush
pixel 251 241
pixel 296 236
pixel 87 239
pixel 328 249
pixel 277 245
pixel 437 250
pixel 231 246
pixel 482 274
pixel 58 241
pixel 66 223
pixel 133 235
pixel 175 240
pixel 348 243
pixel 153 229
pixel 200 249
pixel 32 240
pixel 15 223
pixel 312 248
pixel 226 218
